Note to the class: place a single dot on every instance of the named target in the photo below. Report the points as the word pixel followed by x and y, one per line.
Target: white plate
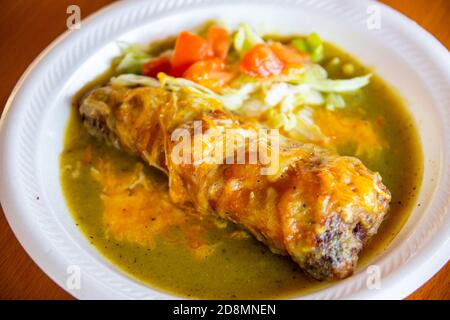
pixel 32 128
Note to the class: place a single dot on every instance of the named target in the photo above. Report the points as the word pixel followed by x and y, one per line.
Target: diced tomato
pixel 189 48
pixel 155 66
pixel 288 55
pixel 218 41
pixel 210 73
pixel 261 61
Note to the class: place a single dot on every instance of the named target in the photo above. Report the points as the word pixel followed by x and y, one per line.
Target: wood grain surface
pixel 28 26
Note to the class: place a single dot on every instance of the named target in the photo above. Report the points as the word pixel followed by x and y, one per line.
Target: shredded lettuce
pixel 244 39
pixel 178 84
pixel 316 77
pixel 231 99
pixel 305 95
pixel 134 56
pixel 296 124
pixel 312 97
pixel 276 93
pixel 290 96
pixel 271 93
pixel 334 101
pixel 305 128
pixel 131 80
pixel 327 85
pixel 288 114
pixel 234 99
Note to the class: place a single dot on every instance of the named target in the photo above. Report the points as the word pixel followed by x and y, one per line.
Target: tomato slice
pixel 189 48
pixel 219 42
pixel 155 66
pixel 290 57
pixel 261 61
pixel 210 73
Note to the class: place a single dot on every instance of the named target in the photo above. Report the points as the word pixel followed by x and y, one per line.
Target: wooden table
pixel 28 26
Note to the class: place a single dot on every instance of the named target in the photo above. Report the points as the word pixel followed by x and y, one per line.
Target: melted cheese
pixel 343 130
pixel 140 211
